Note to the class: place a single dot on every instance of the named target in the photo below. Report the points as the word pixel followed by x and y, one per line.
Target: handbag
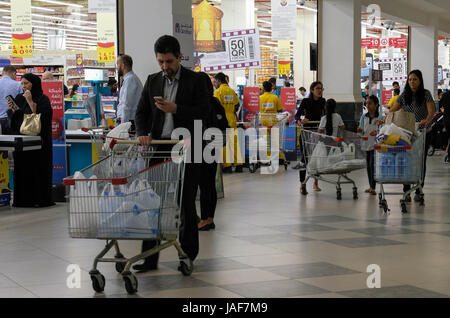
pixel 31 124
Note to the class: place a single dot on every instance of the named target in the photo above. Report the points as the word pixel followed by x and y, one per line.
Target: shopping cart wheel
pixel 131 283
pixel 431 151
pixel 252 167
pixel 355 193
pixel 119 265
pixel 403 206
pixel 186 267
pixel 338 194
pixel 98 282
pixel 380 197
pixel 384 206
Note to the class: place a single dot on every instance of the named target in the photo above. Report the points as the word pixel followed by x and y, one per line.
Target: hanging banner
pixel 97 6
pixel 284 20
pixel 79 63
pixel 375 44
pixel 106 36
pixel 21 28
pixel 241 51
pixel 207 20
pixel 397 71
pixel 55 92
pixel 284 51
pixel 284 68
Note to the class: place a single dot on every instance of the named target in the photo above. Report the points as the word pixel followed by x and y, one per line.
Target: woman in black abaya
pixel 33 169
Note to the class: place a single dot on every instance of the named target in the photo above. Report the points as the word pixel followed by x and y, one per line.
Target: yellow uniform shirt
pixel 228 99
pixel 392 101
pixel 269 103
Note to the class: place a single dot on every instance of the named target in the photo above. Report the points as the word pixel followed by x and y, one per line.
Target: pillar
pixel 238 14
pixel 143 24
pixel 306 33
pixel 423 54
pixel 339 41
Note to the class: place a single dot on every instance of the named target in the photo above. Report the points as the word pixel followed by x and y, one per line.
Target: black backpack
pixel 217 117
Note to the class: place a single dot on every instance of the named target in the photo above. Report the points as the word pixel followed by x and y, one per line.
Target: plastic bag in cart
pixel 120 131
pixel 318 158
pixel 141 192
pixel 84 205
pixel 110 201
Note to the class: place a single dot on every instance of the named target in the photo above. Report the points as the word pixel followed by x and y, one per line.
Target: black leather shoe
pixel 238 169
pixel 205 227
pixel 227 170
pixel 212 226
pixel 145 267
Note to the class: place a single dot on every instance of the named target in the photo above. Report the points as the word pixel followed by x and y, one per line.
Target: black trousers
pixel 370 157
pixel 188 230
pixel 407 187
pixel 5 123
pixel 208 192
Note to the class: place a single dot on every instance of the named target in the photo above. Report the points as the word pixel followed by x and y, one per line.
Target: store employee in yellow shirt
pixel 394 99
pixel 269 104
pixel 230 101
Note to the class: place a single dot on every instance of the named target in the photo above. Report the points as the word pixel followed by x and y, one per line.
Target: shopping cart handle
pixel 136 142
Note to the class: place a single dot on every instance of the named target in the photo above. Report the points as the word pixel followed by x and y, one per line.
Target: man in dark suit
pixel 184 99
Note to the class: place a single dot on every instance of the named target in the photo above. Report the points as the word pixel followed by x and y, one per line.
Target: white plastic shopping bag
pixel 318 158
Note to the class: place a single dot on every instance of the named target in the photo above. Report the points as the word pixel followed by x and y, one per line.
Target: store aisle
pixel 269 242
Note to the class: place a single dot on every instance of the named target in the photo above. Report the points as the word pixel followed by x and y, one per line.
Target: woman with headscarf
pixel 33 169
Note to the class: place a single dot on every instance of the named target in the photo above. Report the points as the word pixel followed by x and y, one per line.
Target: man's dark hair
pixel 273 80
pixel 393 83
pixel 127 60
pixel 287 84
pixel 167 44
pixel 220 77
pixel 396 91
pixel 9 69
pixel 112 81
pixel 267 86
pixel 302 89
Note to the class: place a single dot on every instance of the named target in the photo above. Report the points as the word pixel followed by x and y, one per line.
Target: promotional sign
pixel 289 100
pixel 386 97
pixel 284 68
pixel 241 51
pixel 284 20
pixel 183 30
pixel 106 35
pixel 250 103
pixel 55 92
pixel 79 62
pixel 21 29
pixel 207 28
pixel 374 43
pixel 398 69
pixel 97 6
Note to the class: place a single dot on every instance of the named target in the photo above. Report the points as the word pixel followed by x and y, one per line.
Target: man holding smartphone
pixel 8 86
pixel 173 98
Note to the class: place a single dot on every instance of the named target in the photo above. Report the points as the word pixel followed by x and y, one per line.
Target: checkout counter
pixel 10 143
pixel 96 107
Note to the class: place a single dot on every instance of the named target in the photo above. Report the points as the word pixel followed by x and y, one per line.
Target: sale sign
pixel 22 42
pixel 250 103
pixel 382 43
pixel 242 51
pixel 386 97
pixel 55 92
pixel 289 100
pixel 106 34
pixel 284 68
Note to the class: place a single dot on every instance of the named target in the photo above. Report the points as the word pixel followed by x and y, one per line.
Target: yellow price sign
pixel 284 68
pixel 105 52
pixel 22 45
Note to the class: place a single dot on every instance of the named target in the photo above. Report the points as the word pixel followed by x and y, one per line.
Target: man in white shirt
pixel 8 86
pixel 130 91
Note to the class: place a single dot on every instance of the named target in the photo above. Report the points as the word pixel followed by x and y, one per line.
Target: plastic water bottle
pixel 403 165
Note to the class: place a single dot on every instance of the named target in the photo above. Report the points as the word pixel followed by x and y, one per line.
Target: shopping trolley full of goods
pixel 329 155
pixel 134 193
pixel 262 140
pixel 400 159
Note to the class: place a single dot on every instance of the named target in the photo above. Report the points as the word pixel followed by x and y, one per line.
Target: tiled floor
pixel 269 242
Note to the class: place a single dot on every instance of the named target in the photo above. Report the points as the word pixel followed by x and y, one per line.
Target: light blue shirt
pixel 130 94
pixel 11 87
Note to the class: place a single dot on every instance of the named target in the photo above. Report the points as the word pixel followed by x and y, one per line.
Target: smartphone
pixel 158 98
pixel 12 100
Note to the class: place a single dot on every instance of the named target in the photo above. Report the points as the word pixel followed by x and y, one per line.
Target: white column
pixel 237 14
pixel 306 33
pixel 340 49
pixel 143 24
pixel 424 55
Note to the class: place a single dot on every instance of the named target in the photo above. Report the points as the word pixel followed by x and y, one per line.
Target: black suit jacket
pixel 192 103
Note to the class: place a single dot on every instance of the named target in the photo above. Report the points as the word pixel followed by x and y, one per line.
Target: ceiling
pixel 53 15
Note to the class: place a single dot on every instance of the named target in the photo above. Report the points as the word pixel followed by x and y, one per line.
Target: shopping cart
pixel 328 155
pixel 400 165
pixel 98 137
pixel 121 197
pixel 260 141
